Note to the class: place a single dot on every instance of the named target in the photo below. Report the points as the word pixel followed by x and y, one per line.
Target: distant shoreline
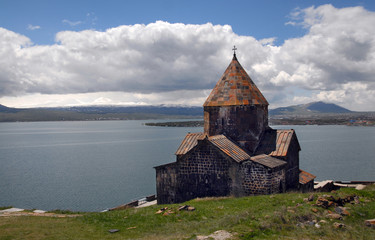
pixel 176 124
pixel 293 115
pixel 271 122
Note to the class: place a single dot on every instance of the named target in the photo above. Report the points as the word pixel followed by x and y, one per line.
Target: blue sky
pixel 271 36
pixel 260 19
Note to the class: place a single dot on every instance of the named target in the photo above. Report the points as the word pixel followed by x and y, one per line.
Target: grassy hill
pixel 280 216
pixel 311 113
pixel 91 113
pixel 310 108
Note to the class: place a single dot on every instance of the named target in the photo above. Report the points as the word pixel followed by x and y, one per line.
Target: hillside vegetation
pixel 280 216
pixel 309 108
pixel 92 113
pixel 319 113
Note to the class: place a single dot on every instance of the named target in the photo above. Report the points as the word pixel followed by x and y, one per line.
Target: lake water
pixel 92 166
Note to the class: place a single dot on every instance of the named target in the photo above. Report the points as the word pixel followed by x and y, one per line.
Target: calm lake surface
pixel 92 166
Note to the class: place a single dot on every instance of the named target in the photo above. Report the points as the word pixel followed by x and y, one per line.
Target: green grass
pixel 6 207
pixel 261 217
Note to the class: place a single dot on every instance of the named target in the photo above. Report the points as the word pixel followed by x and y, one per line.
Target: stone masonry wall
pixel 243 124
pixel 257 179
pixel 308 187
pixel 203 172
pixel 292 172
pixel 166 183
pixel 277 179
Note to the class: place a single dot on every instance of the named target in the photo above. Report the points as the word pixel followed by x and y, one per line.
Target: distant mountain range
pixel 98 113
pixel 148 112
pixel 4 109
pixel 309 108
pixel 163 110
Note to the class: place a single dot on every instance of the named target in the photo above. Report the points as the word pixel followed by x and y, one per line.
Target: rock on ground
pixel 218 235
pixel 370 223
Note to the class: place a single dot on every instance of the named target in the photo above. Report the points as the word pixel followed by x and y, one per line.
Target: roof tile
pixel 276 142
pixel 305 177
pixel 236 88
pixel 268 161
pixel 229 147
pixel 220 141
pixel 189 142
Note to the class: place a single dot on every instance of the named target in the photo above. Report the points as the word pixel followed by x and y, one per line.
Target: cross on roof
pixel 234 50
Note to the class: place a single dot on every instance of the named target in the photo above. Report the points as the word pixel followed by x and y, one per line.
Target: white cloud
pixel 71 23
pixel 337 53
pixel 178 63
pixel 292 23
pixel 91 18
pixel 158 57
pixel 33 27
pixel 178 97
pixel 354 95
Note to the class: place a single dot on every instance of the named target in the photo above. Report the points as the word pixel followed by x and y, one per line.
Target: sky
pixel 119 52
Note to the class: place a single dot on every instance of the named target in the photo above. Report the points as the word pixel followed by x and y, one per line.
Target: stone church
pixel 238 154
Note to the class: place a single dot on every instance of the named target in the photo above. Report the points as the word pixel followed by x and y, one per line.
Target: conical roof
pixel 235 87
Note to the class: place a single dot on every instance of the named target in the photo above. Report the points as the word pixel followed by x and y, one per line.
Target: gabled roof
pixel 305 177
pixel 220 141
pixel 229 148
pixel 235 87
pixel 190 141
pixel 268 161
pixel 276 142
